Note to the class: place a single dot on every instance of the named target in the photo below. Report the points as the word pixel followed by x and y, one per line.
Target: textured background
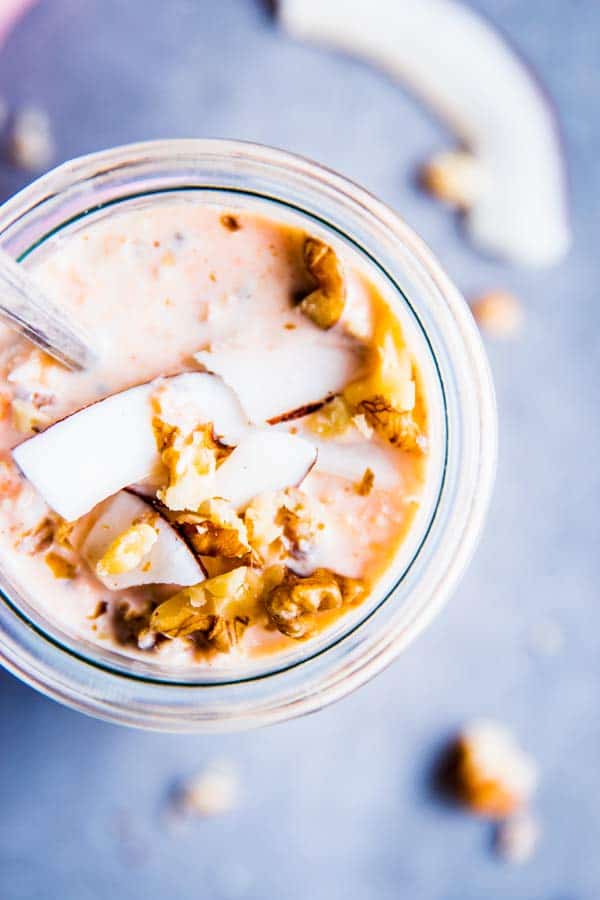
pixel 338 805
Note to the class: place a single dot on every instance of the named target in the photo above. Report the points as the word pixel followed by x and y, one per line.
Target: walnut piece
pixel 190 461
pixel 293 604
pixel 217 610
pixel 385 398
pixel 31 143
pixel 231 223
pixel 212 792
pixel 390 375
pixel 10 481
pixel 399 428
pixel 39 538
pixel 333 419
pixel 130 623
pixel 215 530
pixel 455 177
pixel 28 418
pixel 128 550
pixel 490 773
pixel 59 566
pixel 365 485
pixel 325 305
pixel 498 313
pixel 281 524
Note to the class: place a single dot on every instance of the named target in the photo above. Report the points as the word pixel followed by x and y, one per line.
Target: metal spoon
pixel 25 306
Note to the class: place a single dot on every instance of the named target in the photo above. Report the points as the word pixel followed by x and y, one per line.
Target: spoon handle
pixel 24 306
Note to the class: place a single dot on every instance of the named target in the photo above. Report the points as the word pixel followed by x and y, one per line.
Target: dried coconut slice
pixel 120 564
pixel 461 66
pixel 265 460
pixel 348 458
pixel 92 454
pixel 299 369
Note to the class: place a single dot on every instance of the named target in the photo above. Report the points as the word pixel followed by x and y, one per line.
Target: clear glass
pixel 108 684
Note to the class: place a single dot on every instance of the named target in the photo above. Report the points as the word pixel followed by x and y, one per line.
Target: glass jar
pixel 108 684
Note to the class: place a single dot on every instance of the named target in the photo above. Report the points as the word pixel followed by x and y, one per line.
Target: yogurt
pixel 243 463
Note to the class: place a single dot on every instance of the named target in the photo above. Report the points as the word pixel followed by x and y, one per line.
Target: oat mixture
pixel 243 463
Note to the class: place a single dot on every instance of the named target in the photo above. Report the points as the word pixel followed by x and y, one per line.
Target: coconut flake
pixel 455 61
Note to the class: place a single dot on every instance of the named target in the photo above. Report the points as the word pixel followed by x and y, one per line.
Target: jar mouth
pixel 343 657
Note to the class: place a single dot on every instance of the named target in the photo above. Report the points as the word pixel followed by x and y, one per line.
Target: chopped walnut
pixel 59 566
pixel 365 485
pixel 99 610
pixel 353 589
pixel 455 177
pixel 299 527
pixel 231 223
pixel 129 623
pixel 334 418
pixel 217 610
pixel 39 538
pixel 63 531
pixel 191 463
pixel 10 481
pixel 293 604
pixel 213 792
pixel 31 143
pixel 178 617
pixel 498 313
pixel 215 530
pixel 281 524
pixel 489 772
pixel 390 375
pixel 399 428
pixel 224 634
pixel 128 550
pixel 325 305
pixel 34 378
pixel 28 418
pixel 5 405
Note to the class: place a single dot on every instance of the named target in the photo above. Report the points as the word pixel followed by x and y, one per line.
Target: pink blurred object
pixel 10 12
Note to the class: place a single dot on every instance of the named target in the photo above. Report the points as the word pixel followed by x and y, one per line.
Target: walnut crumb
pixel 455 177
pixel 39 538
pixel 498 313
pixel 365 485
pixel 488 772
pixel 399 428
pixel 293 604
pixel 99 610
pixel 212 792
pixel 215 530
pixel 59 566
pixel 231 223
pixel 325 304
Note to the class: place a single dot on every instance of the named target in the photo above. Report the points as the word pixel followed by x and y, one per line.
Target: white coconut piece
pixel 299 369
pixel 348 457
pixel 349 461
pixel 264 460
pixel 461 66
pixel 92 454
pixel 169 561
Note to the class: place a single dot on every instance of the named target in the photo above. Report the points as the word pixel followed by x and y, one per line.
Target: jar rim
pixel 123 696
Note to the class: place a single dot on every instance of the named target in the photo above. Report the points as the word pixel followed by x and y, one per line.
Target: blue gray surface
pixel 337 805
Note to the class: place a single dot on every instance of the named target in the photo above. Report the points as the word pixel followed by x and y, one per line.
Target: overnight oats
pixel 240 469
